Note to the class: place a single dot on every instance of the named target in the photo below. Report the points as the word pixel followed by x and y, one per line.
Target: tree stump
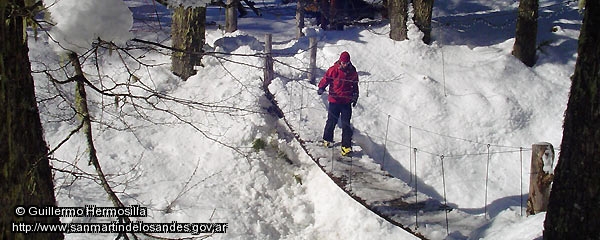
pixel 542 162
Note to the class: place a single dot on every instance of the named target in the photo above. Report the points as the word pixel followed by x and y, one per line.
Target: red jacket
pixel 343 83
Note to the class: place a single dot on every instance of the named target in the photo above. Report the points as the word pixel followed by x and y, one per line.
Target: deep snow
pixel 464 97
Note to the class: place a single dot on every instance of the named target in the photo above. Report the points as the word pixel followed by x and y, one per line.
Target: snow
pixel 189 3
pixel 464 97
pixel 80 22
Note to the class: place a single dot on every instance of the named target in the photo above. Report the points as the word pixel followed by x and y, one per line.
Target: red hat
pixel 345 57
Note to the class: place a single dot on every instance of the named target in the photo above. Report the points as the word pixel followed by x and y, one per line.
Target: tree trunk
pixel 25 174
pixel 398 13
pixel 335 15
pixel 231 24
pixel 526 36
pixel 574 201
pixel 268 72
pixel 188 30
pixel 423 12
pixel 312 44
pixel 324 14
pixel 300 18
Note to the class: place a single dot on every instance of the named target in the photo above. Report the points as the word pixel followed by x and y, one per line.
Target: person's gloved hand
pixel 354 99
pixel 320 91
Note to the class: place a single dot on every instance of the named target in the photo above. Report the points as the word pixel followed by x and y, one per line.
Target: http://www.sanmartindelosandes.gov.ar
pixel 106 227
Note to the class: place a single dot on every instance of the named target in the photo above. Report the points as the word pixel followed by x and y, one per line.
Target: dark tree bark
pixel 188 30
pixel 573 211
pixel 324 14
pixel 336 14
pixel 398 13
pixel 25 174
pixel 423 12
pixel 526 35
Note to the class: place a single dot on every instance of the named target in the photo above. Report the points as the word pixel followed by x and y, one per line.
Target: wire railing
pixel 429 153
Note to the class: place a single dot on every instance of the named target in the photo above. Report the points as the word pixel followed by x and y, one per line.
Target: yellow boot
pixel 346 151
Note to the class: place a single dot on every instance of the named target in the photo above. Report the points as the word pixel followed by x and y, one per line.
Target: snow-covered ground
pixel 464 97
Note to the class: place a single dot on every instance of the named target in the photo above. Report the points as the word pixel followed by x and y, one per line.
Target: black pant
pixel 335 111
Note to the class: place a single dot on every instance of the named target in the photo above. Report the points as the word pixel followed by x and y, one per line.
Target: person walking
pixel 342 80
